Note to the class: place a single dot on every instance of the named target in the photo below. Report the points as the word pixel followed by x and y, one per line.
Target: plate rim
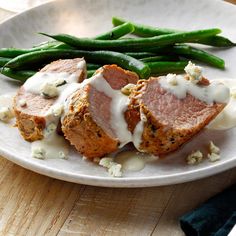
pixel 124 182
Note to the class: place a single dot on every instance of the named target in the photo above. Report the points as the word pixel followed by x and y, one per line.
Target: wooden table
pixel 33 205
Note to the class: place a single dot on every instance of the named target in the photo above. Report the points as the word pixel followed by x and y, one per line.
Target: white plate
pixel 88 18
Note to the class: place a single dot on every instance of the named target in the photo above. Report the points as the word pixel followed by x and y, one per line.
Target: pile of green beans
pixel 156 51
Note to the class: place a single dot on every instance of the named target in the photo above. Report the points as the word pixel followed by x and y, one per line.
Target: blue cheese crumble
pixel 214 152
pixel 194 72
pixel 194 158
pixel 5 114
pixel 49 90
pixel 114 169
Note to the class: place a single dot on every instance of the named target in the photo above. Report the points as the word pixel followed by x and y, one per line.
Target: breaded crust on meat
pixel 170 121
pixel 82 131
pixel 30 119
pixel 86 124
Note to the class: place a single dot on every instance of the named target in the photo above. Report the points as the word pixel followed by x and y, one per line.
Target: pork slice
pixel 87 123
pixel 170 121
pixel 72 66
pixel 31 117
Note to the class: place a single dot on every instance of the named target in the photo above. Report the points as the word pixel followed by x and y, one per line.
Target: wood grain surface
pixel 35 205
pixel 32 204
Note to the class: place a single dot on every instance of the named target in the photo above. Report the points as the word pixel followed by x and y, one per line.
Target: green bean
pixel 139 55
pixel 149 49
pixel 200 55
pixel 47 44
pixel 191 53
pixel 62 46
pixel 50 45
pixel 163 67
pixel 107 57
pixel 21 75
pixel 160 58
pixel 4 60
pixel 117 32
pixel 121 44
pixel 90 73
pixel 143 30
pixel 148 31
pixel 113 34
pixel 216 41
pixel 91 66
pixel 14 52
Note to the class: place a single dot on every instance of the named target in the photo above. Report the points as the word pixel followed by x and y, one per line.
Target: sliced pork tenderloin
pixel 89 123
pixel 31 108
pixel 170 114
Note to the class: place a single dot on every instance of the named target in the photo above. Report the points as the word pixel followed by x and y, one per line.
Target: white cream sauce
pixel 6 100
pixel 119 104
pixel 133 160
pixel 34 83
pixel 53 146
pixel 81 65
pixel 6 107
pixel 227 118
pixel 215 92
pixel 63 101
pixel 138 131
